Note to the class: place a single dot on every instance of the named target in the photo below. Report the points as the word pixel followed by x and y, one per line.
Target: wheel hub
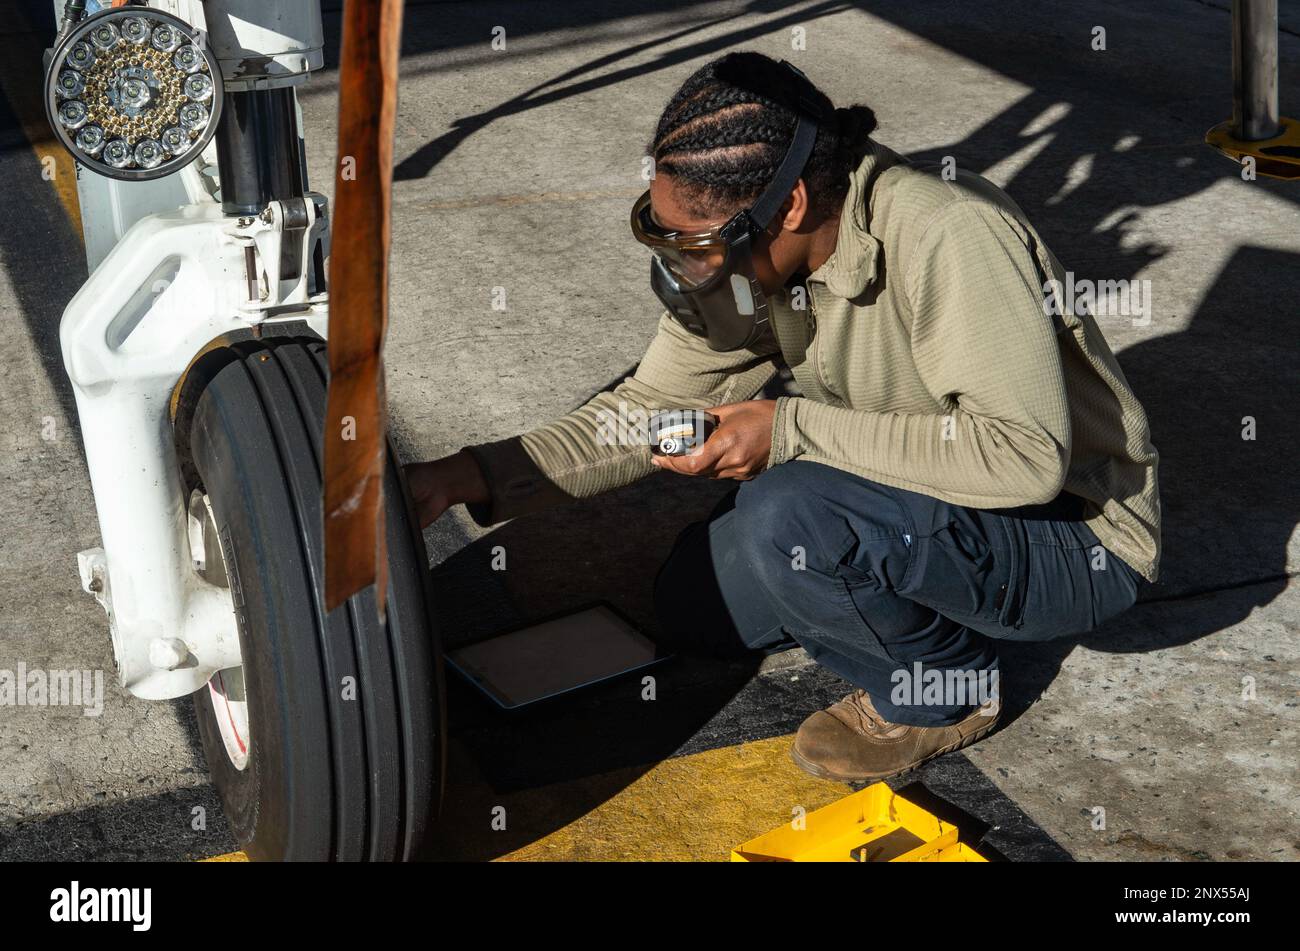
pixel 226 687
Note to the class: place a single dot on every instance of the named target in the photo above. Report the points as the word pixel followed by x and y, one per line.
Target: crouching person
pixel 965 462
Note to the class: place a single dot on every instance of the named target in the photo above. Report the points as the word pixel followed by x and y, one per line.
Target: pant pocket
pixel 867 572
pixel 1058 595
pixel 955 573
pixel 1071 591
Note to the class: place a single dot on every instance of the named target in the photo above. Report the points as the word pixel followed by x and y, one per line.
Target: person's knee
pixel 781 521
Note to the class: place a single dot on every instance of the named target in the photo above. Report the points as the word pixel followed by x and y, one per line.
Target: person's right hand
pixel 438 485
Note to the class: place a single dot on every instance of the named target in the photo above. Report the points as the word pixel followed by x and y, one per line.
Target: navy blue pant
pixel 873 581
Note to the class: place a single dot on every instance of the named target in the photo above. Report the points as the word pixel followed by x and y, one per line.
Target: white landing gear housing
pixel 176 282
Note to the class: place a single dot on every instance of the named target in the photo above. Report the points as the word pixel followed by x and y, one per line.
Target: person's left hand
pixel 738 448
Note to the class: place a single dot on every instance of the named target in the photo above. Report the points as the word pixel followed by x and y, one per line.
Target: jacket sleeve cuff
pixel 784 436
pixel 516 485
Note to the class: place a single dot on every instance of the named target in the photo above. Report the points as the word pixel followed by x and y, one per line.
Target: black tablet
pixel 553 656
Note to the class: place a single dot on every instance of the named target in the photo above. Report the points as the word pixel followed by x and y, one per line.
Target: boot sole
pixel 821 772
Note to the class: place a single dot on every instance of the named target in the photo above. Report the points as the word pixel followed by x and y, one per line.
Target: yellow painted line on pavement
pixel 687 808
pixel 691 808
pixel 531 198
pixel 22 85
pixel 228 857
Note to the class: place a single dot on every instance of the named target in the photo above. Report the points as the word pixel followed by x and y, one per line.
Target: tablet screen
pixel 555 656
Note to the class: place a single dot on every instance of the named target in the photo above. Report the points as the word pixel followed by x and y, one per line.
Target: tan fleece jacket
pixel 926 358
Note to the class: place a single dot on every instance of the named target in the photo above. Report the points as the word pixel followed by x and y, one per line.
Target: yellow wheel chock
pixel 872 825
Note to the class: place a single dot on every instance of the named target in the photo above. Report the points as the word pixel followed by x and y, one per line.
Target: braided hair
pixel 724 132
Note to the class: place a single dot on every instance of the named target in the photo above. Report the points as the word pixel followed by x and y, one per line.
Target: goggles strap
pixel 787 173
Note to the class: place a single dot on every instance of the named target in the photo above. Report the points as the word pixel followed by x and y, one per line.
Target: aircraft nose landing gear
pixel 203 432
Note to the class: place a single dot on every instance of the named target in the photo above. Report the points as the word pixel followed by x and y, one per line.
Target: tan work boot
pixel 850 740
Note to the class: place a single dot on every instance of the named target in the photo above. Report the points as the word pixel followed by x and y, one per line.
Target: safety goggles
pixel 692 257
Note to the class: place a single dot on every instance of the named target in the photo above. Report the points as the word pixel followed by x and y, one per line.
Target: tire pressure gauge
pixel 677 432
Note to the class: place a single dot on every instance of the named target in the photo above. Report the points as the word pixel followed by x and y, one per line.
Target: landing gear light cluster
pixel 197 356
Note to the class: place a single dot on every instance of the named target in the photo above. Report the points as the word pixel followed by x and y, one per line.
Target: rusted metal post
pixel 1254 70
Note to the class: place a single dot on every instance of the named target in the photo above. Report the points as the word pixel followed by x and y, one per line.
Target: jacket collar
pixel 852 266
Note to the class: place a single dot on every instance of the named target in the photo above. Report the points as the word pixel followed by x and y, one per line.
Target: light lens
pixel 133 92
pixel 71 83
pixel 73 113
pixel 117 153
pixel 165 39
pixel 174 140
pixel 198 86
pixel 192 116
pixel 81 56
pixel 188 58
pixel 135 30
pixel 91 140
pixel 105 36
pixel 148 153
